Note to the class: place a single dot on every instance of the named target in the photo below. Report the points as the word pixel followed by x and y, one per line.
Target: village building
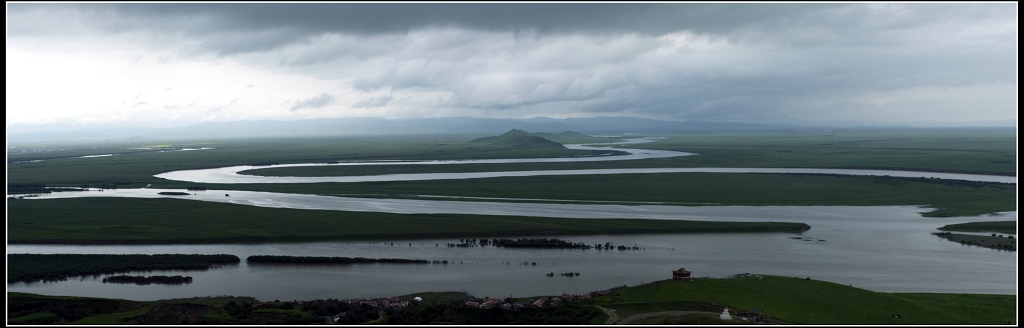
pixel 681 274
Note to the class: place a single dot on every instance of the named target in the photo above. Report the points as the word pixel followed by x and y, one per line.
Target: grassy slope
pixel 125 220
pixel 818 302
pixel 995 226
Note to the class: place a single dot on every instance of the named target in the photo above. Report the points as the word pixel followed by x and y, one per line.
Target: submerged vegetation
pixel 56 267
pixel 37 189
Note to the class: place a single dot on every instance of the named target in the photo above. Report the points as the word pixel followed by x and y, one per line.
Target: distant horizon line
pixel 72 126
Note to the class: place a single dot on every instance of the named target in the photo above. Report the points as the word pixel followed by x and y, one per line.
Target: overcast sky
pixel 829 64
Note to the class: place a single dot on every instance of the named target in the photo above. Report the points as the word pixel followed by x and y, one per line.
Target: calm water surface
pixel 877 248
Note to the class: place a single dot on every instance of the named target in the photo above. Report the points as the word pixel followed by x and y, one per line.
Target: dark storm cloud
pixel 238 28
pixel 397 18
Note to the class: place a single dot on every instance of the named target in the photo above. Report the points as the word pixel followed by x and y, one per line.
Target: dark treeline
pixel 143 280
pixel 536 243
pixel 64 310
pixel 325 260
pixel 56 267
pixel 455 313
pixel 196 188
pixel 248 312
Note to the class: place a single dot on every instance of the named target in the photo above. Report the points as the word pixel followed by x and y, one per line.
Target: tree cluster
pixel 456 313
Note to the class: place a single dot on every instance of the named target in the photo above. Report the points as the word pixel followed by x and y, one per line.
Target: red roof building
pixel 680 274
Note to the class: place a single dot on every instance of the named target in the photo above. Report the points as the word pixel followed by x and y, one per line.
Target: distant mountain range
pixel 383 126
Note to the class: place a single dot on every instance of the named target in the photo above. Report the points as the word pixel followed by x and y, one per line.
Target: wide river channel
pixel 880 248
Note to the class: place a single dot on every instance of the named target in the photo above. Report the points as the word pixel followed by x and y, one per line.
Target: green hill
pixel 803 301
pixel 518 139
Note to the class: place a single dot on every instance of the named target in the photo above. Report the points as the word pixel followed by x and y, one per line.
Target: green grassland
pixel 174 221
pixel 948 197
pixel 782 299
pixel 801 301
pixel 945 150
pixel 1009 227
pixel 136 168
pixel 991 151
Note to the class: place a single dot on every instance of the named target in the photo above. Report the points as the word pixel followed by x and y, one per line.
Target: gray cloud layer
pixel 739 62
pixel 315 102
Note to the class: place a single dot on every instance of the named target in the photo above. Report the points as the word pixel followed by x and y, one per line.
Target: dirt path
pixel 612 317
pixel 635 317
pixel 379 319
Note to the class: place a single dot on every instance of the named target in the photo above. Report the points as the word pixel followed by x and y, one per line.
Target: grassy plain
pixel 948 197
pixel 990 151
pixel 174 221
pixel 981 151
pixel 801 301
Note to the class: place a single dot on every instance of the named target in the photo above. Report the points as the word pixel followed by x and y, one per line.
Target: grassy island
pixel 283 259
pixel 179 221
pixel 55 267
pixel 1009 227
pixel 144 280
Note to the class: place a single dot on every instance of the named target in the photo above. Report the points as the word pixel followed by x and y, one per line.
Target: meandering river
pixel 881 248
pixel 230 175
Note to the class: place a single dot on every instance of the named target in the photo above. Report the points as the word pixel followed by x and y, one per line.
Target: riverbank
pixel 800 300
pixel 175 221
pixel 994 241
pixel 771 298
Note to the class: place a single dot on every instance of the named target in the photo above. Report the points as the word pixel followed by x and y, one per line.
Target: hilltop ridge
pixel 519 139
